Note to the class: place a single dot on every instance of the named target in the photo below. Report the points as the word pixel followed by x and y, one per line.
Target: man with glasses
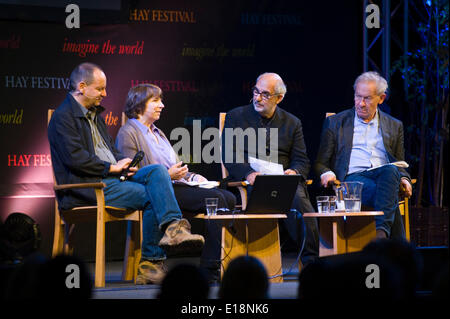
pixel 363 138
pixel 264 113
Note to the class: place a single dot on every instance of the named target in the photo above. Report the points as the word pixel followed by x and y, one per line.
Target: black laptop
pixel 272 194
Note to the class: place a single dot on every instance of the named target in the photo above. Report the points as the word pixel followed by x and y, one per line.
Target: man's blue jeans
pixel 150 189
pixel 380 191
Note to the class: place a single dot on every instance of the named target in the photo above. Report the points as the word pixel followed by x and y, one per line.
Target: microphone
pixel 137 158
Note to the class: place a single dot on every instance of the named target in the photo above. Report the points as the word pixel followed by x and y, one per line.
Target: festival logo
pixel 29 160
pixel 36 82
pixel 164 16
pixel 170 85
pixel 270 19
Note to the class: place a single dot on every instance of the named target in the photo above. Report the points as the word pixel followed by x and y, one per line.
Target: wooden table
pixel 256 235
pixel 343 232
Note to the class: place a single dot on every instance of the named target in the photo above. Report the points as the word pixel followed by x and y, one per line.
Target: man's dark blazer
pixel 337 140
pixel 73 154
pixel 291 144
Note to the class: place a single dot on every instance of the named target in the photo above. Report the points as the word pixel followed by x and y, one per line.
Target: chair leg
pixel 133 254
pixel 138 250
pixel 67 243
pixel 58 236
pixel 243 193
pixel 100 250
pixel 137 259
pixel 131 247
pixel 406 220
pixel 58 239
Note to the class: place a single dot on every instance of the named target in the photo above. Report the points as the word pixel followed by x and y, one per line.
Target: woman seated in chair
pixel 143 108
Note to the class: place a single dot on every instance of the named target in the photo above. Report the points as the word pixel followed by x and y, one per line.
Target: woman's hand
pixel 177 171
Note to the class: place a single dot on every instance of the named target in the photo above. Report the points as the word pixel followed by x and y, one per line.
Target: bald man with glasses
pixel 264 113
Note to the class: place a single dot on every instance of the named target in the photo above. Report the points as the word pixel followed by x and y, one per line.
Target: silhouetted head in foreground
pixel 245 278
pixel 62 277
pixel 354 276
pixel 405 256
pixel 184 281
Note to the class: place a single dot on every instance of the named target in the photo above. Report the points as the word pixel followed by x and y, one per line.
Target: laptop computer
pixel 272 194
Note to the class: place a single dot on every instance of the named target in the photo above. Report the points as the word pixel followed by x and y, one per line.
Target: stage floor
pixel 117 289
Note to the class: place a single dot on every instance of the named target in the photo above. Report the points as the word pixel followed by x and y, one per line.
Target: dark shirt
pixel 291 144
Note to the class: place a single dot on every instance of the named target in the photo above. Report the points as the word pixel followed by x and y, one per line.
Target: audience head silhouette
pixel 184 281
pixel 245 278
pixel 62 277
pixel 403 255
pixel 65 277
pixel 352 276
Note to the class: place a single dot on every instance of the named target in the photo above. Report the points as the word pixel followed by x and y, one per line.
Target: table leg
pixel 332 239
pixel 359 231
pixel 258 238
pixel 339 236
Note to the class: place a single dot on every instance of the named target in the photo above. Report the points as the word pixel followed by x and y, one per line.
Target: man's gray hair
pixel 84 72
pixel 371 76
pixel 280 87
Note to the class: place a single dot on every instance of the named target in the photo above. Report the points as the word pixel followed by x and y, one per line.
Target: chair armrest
pixel 238 184
pixel 81 185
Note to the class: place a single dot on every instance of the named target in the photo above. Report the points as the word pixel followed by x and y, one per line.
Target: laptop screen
pixel 272 194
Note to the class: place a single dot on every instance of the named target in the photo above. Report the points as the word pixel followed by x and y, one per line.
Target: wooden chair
pixel 100 214
pixel 403 205
pixel 241 186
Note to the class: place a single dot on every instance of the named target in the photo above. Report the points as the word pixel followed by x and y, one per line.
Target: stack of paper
pixel 401 164
pixel 265 167
pixel 207 184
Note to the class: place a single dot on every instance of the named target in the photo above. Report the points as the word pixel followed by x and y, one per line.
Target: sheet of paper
pixel 207 184
pixel 265 167
pixel 401 164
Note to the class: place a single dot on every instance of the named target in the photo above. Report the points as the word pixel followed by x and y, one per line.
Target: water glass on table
pixel 332 202
pixel 352 196
pixel 352 204
pixel 323 206
pixel 211 206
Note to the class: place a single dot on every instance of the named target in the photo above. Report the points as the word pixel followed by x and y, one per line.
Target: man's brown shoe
pixel 178 239
pixel 151 272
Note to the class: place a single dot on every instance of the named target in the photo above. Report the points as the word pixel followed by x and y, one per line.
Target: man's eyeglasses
pixel 367 99
pixel 264 95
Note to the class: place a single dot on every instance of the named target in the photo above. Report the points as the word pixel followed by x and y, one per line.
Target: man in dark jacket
pixel 356 145
pixel 289 149
pixel 82 151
